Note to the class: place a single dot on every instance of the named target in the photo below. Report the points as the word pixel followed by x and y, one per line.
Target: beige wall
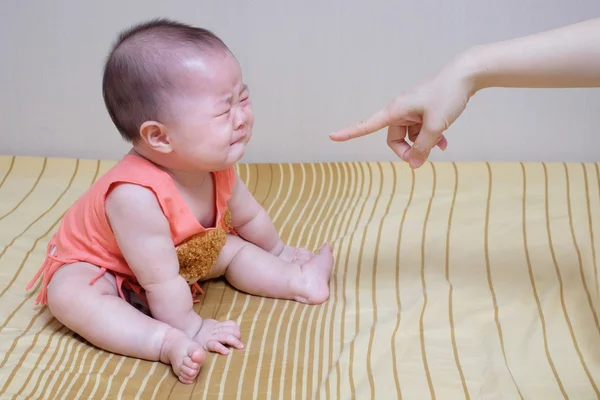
pixel 313 66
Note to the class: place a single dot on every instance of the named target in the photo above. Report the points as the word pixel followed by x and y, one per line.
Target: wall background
pixel 313 66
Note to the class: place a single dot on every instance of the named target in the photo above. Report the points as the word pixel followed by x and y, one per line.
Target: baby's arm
pixel 143 235
pixel 251 220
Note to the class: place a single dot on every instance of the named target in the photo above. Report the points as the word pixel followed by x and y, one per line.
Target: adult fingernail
pixel 415 163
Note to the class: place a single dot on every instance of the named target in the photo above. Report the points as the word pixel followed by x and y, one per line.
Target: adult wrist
pixel 474 70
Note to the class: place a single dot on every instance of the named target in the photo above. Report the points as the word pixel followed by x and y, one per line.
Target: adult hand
pixel 420 115
pixel 564 57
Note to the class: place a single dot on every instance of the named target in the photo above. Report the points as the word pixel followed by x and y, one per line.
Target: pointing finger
pixel 375 122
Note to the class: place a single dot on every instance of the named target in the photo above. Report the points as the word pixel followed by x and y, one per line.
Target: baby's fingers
pixel 305 252
pixel 229 324
pixel 216 347
pixel 303 255
pixel 230 339
pixel 228 327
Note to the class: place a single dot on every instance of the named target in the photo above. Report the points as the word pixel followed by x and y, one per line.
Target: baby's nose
pixel 241 119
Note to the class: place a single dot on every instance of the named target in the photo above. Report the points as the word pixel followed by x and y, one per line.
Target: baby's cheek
pixel 249 115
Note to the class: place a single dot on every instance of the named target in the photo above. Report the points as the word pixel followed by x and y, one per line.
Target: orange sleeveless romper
pixel 85 235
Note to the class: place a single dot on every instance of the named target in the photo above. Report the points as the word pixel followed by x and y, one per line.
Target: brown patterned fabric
pixel 468 280
pixel 198 254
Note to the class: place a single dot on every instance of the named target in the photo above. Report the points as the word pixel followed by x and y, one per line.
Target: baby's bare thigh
pixel 232 247
pixel 75 278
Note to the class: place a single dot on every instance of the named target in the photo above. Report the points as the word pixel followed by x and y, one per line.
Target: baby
pixel 172 211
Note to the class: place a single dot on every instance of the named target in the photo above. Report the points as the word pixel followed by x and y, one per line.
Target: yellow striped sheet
pixel 467 280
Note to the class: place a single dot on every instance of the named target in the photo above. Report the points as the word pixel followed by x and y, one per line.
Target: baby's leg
pixel 99 315
pixel 256 271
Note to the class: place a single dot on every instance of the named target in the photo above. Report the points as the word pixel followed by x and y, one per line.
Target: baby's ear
pixel 155 135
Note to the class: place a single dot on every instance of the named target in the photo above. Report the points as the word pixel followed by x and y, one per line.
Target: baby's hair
pixel 139 70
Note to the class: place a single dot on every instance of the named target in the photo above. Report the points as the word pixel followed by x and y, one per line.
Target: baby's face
pixel 213 116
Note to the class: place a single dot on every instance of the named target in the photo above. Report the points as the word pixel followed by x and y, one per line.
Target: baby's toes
pixel 190 364
pixel 187 362
pixel 196 354
pixel 188 374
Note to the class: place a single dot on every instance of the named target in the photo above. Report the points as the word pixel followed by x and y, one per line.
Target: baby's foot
pixel 313 285
pixel 184 355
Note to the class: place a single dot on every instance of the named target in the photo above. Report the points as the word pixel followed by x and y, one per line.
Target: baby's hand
pixel 296 255
pixel 213 335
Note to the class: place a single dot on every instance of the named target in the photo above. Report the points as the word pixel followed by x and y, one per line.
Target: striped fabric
pixel 468 280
